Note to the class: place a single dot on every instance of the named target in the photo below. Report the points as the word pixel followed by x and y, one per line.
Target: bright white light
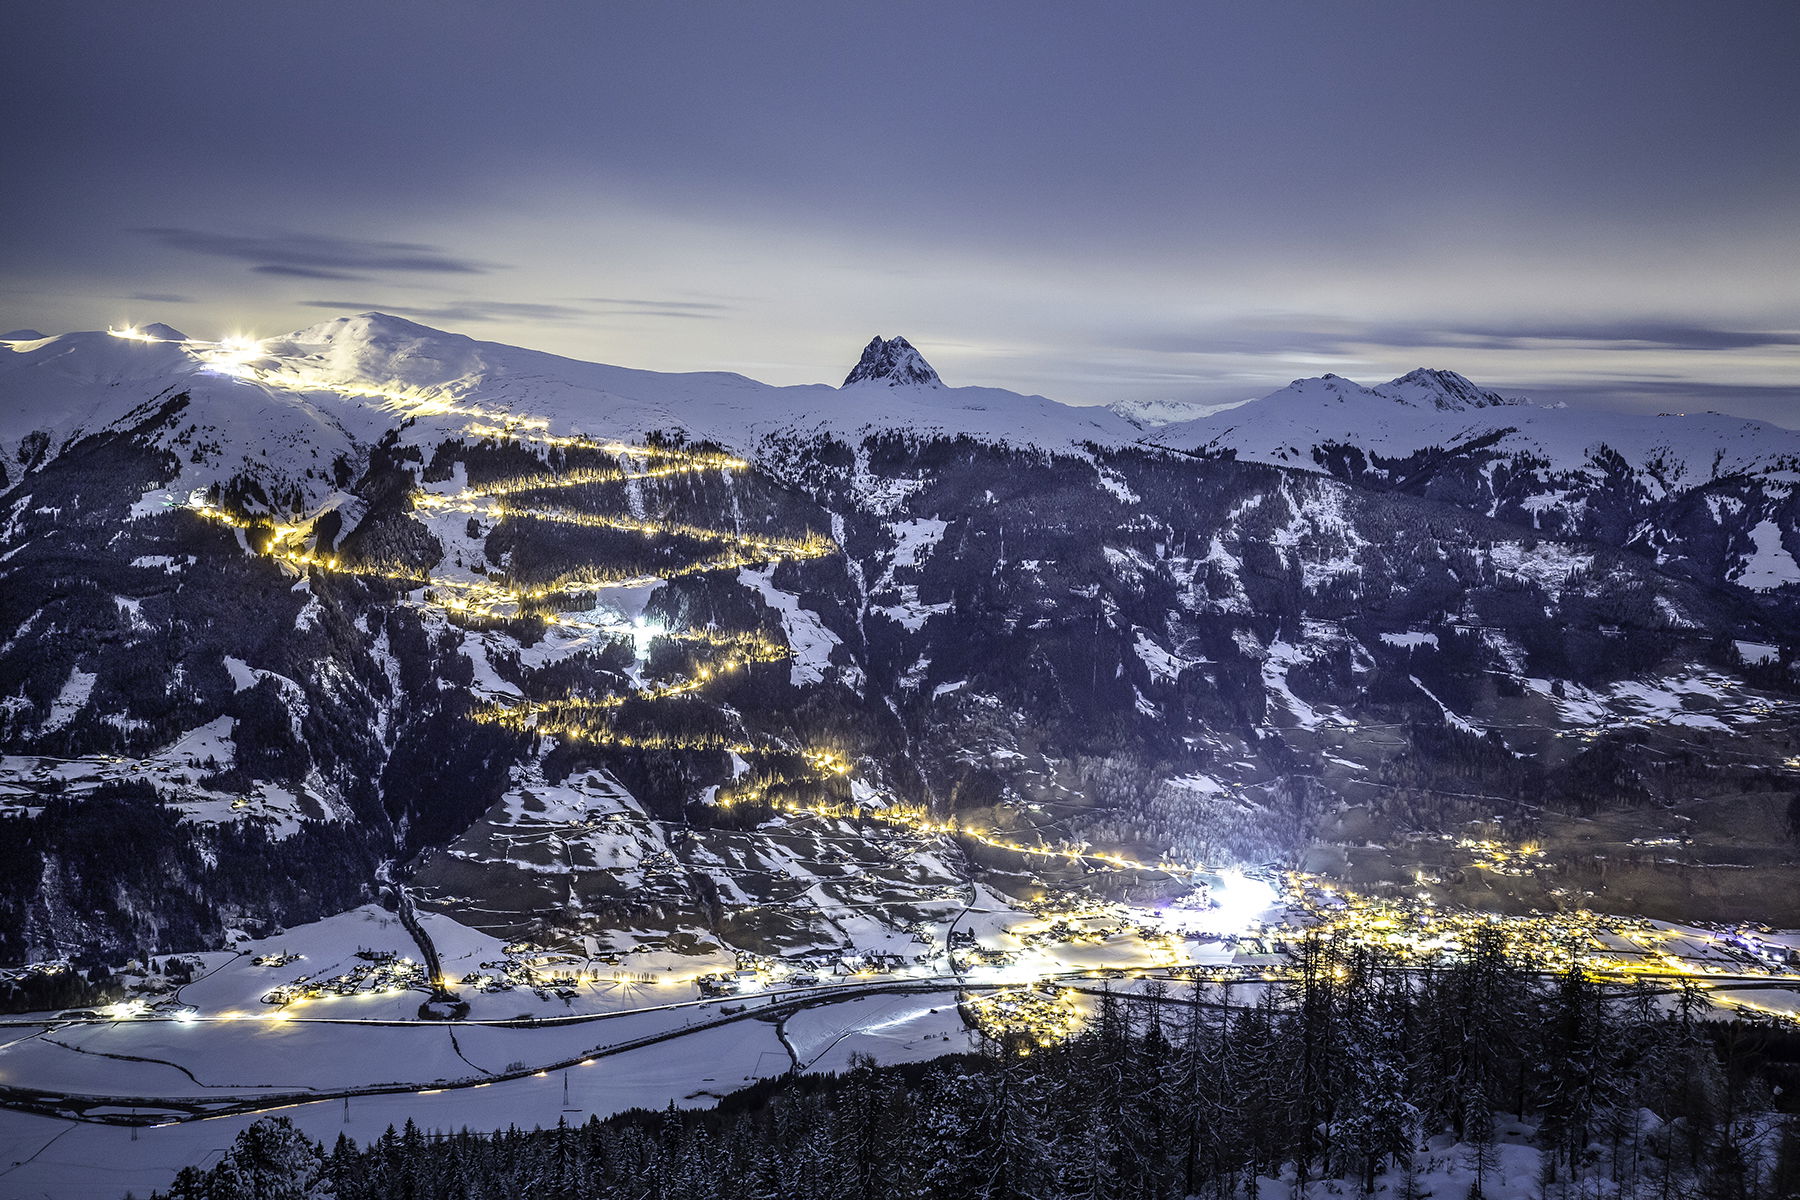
pixel 1238 903
pixel 904 1018
pixel 228 356
pixel 642 632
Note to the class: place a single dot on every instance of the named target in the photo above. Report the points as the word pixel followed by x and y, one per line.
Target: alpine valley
pixel 388 714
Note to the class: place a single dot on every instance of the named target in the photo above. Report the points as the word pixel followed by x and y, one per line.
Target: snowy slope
pixel 286 407
pixel 1442 409
pixel 54 391
pixel 1707 495
pixel 1152 414
pixel 377 352
pixel 69 385
pixel 299 413
pixel 349 379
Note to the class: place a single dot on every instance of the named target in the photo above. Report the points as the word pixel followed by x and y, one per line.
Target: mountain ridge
pixel 1710 494
pixel 366 593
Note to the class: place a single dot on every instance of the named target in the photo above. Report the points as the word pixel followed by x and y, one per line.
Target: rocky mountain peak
pixel 892 361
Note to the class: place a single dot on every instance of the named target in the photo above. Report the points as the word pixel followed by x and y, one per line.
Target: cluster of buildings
pixel 1415 928
pixel 1043 1013
pixel 380 971
pixel 755 972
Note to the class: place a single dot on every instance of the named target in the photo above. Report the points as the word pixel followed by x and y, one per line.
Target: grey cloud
pixel 659 308
pixel 1325 336
pixel 463 310
pixel 512 310
pixel 1611 335
pixel 657 304
pixel 316 251
pixel 683 309
pixel 161 298
pixel 1234 339
pixel 355 306
pixel 304 272
pixel 1673 336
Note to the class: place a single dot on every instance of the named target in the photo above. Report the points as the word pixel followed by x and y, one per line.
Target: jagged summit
pixel 892 361
pixel 1425 388
pixel 1444 390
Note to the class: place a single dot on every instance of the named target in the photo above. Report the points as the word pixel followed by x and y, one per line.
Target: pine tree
pixel 1576 1079
pixel 1156 1097
pixel 1784 1175
pixel 948 1156
pixel 1376 1120
pixel 269 1160
pixel 1011 1102
pixel 1481 1156
pixel 865 1130
pixel 1317 1032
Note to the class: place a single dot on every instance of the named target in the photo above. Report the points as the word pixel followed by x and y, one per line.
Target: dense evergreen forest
pixel 1333 1084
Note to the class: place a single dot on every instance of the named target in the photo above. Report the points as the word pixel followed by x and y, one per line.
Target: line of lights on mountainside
pixel 475 502
pixel 493 599
pixel 916 820
pixel 1414 930
pixel 487 598
pixel 567 717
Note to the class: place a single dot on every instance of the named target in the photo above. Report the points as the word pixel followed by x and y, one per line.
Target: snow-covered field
pixel 216 1042
pixel 79 1160
pixel 42 1155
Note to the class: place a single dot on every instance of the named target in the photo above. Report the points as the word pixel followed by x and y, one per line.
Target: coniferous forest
pixel 1360 1078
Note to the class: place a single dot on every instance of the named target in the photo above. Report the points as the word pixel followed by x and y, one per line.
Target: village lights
pixel 793 778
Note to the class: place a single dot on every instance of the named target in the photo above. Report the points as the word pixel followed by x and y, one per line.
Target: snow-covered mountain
pixel 195 396
pixel 1441 410
pixel 892 364
pixel 1151 414
pixel 291 404
pixel 588 649
pixel 1702 493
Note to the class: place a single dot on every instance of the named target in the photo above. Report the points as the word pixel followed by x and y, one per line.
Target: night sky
pixel 1597 202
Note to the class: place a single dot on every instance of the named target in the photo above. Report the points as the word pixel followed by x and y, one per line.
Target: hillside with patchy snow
pixel 1707 495
pixel 583 649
